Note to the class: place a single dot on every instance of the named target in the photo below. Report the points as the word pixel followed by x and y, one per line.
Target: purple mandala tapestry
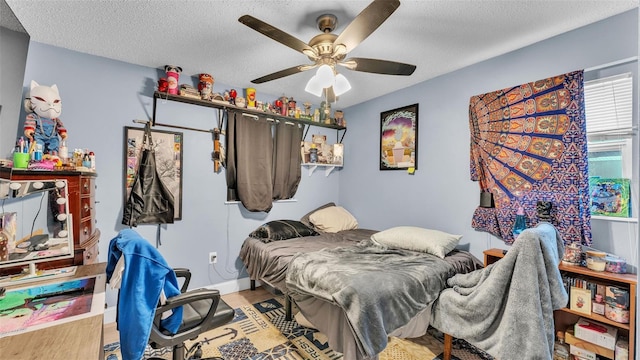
pixel 529 144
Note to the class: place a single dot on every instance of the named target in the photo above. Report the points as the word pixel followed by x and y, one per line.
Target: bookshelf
pixel 565 318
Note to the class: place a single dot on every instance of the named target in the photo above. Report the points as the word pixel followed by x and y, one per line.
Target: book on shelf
pixel 594 288
pixel 580 300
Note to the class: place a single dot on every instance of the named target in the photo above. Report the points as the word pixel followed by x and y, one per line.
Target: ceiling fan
pixel 331 49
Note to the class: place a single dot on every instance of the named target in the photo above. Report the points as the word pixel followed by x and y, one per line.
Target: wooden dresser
pixel 81 187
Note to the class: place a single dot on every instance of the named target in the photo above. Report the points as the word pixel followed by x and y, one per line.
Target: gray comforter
pixel 507 307
pixel 268 261
pixel 379 289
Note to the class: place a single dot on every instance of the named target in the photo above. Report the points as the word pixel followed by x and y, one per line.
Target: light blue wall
pixel 440 195
pixel 100 97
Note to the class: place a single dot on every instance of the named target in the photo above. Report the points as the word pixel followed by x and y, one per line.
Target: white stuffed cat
pixel 42 123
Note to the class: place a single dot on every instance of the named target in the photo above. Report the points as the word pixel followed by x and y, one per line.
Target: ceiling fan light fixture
pixel 341 85
pixel 325 76
pixel 314 87
pixel 328 50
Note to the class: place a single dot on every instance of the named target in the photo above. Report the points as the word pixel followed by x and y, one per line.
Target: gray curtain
pixel 287 160
pixel 249 161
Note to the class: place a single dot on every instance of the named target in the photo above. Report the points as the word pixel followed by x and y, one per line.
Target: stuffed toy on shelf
pixel 43 125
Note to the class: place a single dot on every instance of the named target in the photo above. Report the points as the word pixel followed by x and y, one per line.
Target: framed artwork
pixel 610 197
pixel 399 138
pixel 168 149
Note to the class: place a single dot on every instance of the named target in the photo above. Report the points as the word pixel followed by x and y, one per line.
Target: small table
pixel 77 339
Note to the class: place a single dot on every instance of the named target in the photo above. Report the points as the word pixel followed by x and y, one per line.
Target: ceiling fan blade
pixel 276 34
pixel 281 74
pixel 377 66
pixel 366 22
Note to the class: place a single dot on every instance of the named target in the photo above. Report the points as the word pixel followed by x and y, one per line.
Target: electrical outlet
pixel 213 257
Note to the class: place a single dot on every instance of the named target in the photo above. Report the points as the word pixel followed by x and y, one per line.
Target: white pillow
pixel 430 241
pixel 333 219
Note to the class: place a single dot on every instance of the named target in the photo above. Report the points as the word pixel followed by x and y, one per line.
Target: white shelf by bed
pixel 328 167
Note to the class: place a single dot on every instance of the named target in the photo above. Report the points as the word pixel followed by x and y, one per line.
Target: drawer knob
pixel 85 230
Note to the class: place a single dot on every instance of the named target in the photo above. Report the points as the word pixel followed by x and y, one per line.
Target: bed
pixel 302 266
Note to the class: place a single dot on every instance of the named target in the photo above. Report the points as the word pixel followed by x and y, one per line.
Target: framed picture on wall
pixel 399 138
pixel 168 151
pixel 610 197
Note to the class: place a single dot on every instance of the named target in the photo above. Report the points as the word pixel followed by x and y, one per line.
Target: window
pixel 610 158
pixel 608 109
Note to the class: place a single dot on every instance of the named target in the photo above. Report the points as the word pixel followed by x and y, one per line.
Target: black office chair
pixel 203 310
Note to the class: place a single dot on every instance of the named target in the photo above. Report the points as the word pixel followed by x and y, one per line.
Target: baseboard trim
pixel 224 288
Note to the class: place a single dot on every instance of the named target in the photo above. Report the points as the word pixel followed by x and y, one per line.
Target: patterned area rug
pixel 260 331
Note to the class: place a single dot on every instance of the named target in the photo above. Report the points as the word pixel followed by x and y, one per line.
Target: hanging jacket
pixel 145 276
pixel 150 201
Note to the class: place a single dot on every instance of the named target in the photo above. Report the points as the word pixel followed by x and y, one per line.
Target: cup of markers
pixel 21 160
pixel 21 155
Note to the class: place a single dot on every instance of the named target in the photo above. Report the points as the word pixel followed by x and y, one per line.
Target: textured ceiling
pixel 438 36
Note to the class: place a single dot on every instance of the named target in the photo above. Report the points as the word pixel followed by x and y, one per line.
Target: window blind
pixel 609 105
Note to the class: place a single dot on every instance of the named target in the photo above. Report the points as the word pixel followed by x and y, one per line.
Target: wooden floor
pixel 235 300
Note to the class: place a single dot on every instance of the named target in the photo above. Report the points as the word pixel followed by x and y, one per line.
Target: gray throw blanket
pixel 379 289
pixel 507 307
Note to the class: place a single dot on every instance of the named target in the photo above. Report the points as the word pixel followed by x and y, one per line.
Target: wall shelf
pixel 225 105
pixel 328 167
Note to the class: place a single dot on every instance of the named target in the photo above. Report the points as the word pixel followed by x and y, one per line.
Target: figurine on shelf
pixel 339 117
pixel 163 85
pixel 232 96
pixel 250 97
pixel 325 112
pixel 307 108
pixel 284 109
pixel 291 107
pixel 277 104
pixel 313 154
pixel 42 125
pixel 240 102
pixel 205 86
pixel 173 74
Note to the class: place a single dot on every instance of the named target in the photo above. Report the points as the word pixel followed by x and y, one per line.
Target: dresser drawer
pixel 86 185
pixel 86 207
pixel 86 230
pixel 91 254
